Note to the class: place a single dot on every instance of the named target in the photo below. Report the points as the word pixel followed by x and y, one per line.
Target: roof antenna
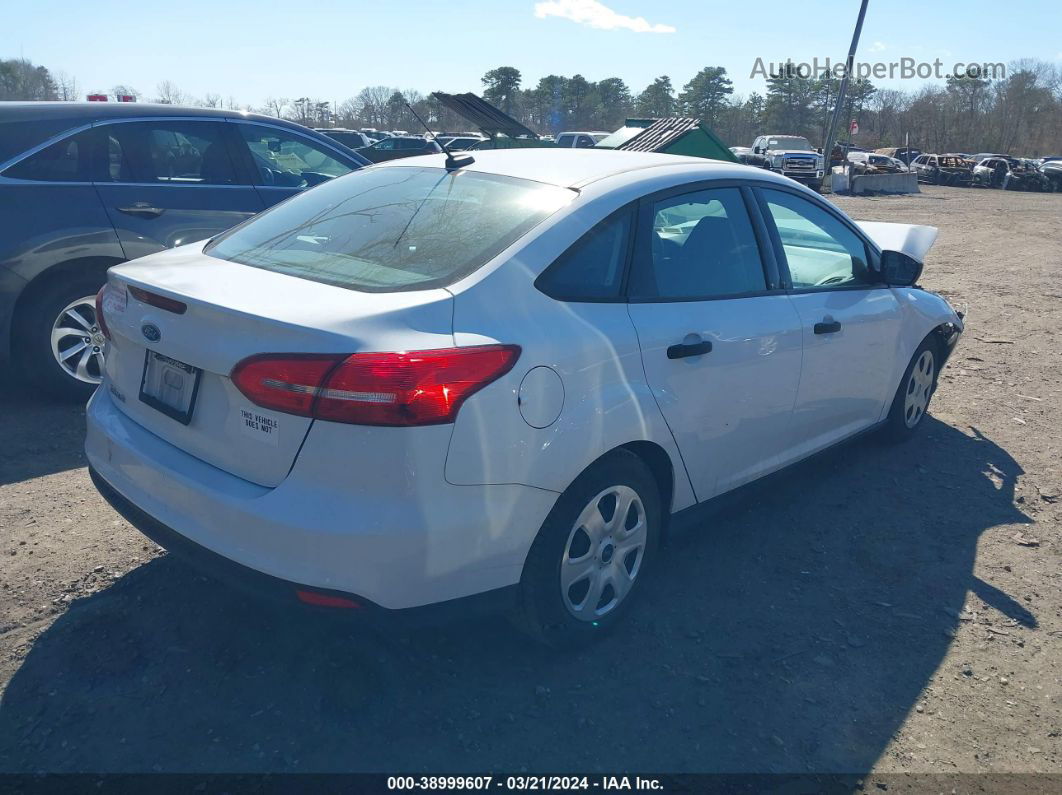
pixel 453 161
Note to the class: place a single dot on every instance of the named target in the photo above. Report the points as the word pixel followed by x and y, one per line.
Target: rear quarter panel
pixel 593 348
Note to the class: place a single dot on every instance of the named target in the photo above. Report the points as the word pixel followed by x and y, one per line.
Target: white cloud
pixel 597 15
pixel 878 46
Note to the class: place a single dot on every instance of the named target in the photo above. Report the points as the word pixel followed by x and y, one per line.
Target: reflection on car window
pixel 702 246
pixel 391 229
pixel 288 160
pixel 169 152
pixel 593 267
pixel 819 249
pixel 65 161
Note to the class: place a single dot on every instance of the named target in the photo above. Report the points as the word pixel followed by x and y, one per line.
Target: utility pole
pixel 843 90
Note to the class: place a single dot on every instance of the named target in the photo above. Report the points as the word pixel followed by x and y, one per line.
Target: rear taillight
pixel 101 319
pixel 397 389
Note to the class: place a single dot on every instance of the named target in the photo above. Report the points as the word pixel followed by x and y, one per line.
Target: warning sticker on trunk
pixel 263 427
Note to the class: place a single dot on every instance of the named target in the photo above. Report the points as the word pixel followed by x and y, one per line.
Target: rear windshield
pixel 392 229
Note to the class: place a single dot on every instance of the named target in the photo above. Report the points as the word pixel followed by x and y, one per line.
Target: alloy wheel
pixel 77 341
pixel 604 553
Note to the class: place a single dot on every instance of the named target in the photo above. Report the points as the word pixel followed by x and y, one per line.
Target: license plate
pixel 170 386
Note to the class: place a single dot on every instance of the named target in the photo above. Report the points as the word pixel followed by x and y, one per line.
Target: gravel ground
pixel 879 608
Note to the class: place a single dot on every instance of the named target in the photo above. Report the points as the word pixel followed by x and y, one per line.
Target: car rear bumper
pixel 357 514
pixel 286 592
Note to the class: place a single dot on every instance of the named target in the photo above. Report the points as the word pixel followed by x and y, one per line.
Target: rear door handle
pixel 682 350
pixel 145 210
pixel 828 327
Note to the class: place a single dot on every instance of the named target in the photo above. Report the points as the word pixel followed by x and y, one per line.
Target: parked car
pixel 462 143
pixel 1052 170
pixel 1010 173
pixel 942 169
pixel 394 148
pixel 84 186
pixel 790 155
pixel 903 154
pixel 352 139
pixel 580 140
pixel 567 349
pixel 741 153
pixel 871 163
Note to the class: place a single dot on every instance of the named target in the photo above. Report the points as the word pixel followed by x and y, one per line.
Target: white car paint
pixel 411 516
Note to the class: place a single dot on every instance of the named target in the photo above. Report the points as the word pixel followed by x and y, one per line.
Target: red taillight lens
pixel 101 319
pixel 159 301
pixel 284 382
pixel 397 389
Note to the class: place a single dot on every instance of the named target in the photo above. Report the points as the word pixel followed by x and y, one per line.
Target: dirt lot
pixel 886 608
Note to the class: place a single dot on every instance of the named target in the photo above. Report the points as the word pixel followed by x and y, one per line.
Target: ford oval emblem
pixel 151 332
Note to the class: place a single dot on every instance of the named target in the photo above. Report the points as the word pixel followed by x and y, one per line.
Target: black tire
pixel 905 418
pixel 542 611
pixel 32 343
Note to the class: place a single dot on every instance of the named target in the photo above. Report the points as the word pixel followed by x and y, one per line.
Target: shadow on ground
pixel 792 632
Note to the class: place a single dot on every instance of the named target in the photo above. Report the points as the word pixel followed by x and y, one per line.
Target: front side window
pixel 393 229
pixel 169 152
pixel 702 246
pixel 68 160
pixel 289 160
pixel 820 250
pixel 592 269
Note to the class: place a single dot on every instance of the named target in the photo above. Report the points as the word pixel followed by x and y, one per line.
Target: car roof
pixel 570 168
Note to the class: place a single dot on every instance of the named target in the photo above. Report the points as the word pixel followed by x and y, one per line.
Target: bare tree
pixel 212 101
pixel 66 87
pixel 170 94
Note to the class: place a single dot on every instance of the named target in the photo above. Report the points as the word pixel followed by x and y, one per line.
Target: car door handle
pixel 682 350
pixel 145 210
pixel 828 327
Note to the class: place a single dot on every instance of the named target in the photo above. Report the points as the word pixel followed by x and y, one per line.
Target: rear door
pixel 720 341
pixel 284 162
pixel 851 322
pixel 167 182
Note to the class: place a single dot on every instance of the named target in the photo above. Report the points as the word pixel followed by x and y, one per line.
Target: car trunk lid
pixel 231 312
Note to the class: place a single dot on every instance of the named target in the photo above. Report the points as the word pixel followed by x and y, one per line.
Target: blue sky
pixel 252 49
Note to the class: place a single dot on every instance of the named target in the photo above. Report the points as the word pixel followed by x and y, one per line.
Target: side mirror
pixel 899 269
pixel 819 150
pixel 757 151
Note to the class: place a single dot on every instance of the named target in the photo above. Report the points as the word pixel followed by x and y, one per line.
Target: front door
pixel 168 182
pixel 721 351
pixel 851 322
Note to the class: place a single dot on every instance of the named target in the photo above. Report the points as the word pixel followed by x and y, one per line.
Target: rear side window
pixel 702 246
pixel 393 229
pixel 68 160
pixel 169 152
pixel 592 269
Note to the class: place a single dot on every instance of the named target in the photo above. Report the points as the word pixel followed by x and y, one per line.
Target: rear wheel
pixel 911 402
pixel 591 554
pixel 59 343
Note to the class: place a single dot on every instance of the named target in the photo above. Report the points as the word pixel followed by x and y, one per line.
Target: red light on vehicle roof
pixel 393 389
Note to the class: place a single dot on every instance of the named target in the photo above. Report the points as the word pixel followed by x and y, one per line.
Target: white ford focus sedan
pixel 493 383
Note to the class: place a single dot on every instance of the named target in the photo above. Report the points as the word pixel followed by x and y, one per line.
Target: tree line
pixel 1020 113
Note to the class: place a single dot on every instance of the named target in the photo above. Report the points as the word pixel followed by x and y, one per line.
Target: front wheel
pixel 911 402
pixel 589 558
